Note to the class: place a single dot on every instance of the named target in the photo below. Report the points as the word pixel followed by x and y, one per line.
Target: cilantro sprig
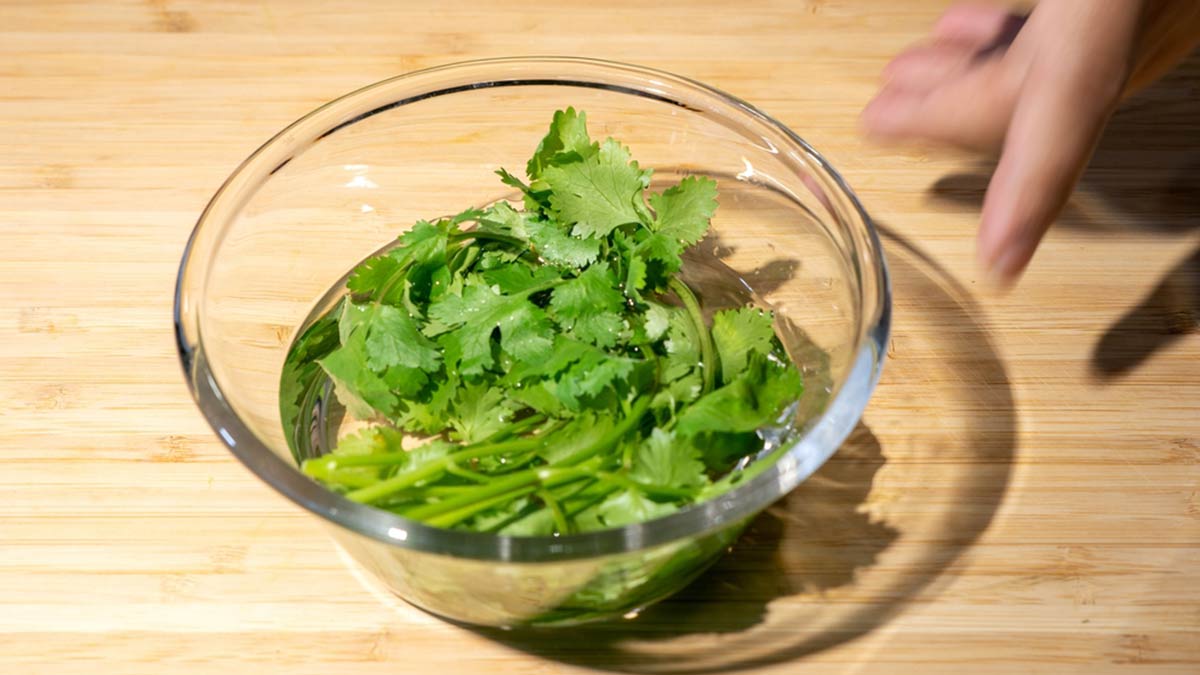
pixel 554 370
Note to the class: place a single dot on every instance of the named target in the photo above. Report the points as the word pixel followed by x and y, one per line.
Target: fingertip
pixel 1007 239
pixel 1004 269
pixel 884 116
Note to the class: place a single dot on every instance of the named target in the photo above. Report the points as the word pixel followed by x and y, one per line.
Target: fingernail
pixel 1004 270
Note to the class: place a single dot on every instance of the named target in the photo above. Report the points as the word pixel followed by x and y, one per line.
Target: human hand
pixel 1037 89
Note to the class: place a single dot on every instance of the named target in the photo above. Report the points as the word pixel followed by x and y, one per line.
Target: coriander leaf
pixel 425 242
pixel 501 217
pixel 489 260
pixel 525 333
pixel 361 390
pixel 565 352
pixel 370 441
pixel 662 257
pixel 682 212
pixel 393 340
pixel 539 396
pixel 535 200
pixel 353 317
pixel 471 214
pixel 477 313
pixel 429 416
pixel 548 239
pixel 419 261
pixel 596 194
pixel 510 180
pixel 590 305
pixel 635 278
pixel 722 450
pixel 663 459
pixel 582 431
pixel 602 329
pixel 517 278
pixel 682 390
pixel 739 332
pixel 428 452
pixel 755 399
pixel 405 382
pixel 567 140
pixel 591 375
pixel 623 508
pixel 683 354
pixel 371 276
pixel 559 248
pixel 479 411
pixel 657 320
pixel 682 217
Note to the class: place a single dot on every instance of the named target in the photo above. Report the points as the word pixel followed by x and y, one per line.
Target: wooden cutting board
pixel 1023 495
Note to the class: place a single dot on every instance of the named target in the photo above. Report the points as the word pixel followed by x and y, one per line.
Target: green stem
pixel 618 432
pixel 708 356
pixel 445 490
pixel 520 427
pixel 489 236
pixel 463 257
pixel 391 282
pixel 327 474
pixel 586 500
pixel 456 509
pixel 556 512
pixel 451 518
pixel 644 215
pixel 473 476
pixel 430 469
pixel 661 490
pixel 336 461
pixel 560 493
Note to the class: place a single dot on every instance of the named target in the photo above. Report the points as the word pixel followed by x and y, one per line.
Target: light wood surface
pixel 1023 496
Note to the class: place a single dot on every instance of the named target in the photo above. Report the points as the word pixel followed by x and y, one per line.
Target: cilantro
pixel 393 340
pixel 557 373
pixel 754 400
pixel 597 194
pixel 567 141
pixel 738 333
pixel 664 460
pixel 559 248
pixel 623 508
pixel 480 310
pixel 657 321
pixel 480 411
pixel 591 306
pixel 682 212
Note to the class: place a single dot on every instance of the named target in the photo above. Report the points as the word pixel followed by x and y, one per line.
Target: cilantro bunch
pixel 557 372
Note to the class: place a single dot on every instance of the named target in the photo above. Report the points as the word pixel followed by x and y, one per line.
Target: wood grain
pixel 1022 497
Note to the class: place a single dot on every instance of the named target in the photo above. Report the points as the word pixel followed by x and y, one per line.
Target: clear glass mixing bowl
pixel 349 177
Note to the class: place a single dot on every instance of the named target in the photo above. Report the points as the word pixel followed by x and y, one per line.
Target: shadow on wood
pixel 1166 314
pixel 809 573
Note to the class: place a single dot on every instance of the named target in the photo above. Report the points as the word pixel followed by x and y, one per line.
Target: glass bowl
pixel 349 177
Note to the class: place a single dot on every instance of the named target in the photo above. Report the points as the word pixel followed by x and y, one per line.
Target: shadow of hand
pixel 1167 313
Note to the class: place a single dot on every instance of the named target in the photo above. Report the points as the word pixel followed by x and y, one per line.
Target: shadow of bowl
pixel 910 491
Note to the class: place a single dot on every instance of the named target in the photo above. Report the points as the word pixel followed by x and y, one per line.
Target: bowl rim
pixel 816 443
